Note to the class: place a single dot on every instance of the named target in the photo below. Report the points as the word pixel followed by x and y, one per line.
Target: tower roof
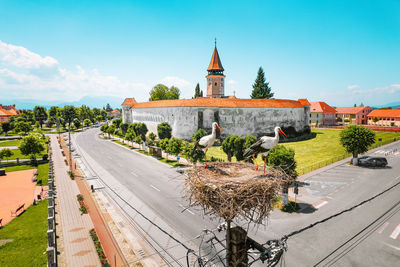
pixel 215 64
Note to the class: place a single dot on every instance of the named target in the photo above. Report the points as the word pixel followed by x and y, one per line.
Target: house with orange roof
pixel 235 116
pixel 352 115
pixel 6 112
pixel 321 114
pixel 384 117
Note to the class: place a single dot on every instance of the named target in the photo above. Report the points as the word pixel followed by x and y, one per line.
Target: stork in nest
pixel 263 145
pixel 208 141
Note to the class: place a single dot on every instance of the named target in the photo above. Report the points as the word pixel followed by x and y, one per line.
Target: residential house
pixel 384 117
pixel 6 112
pixel 321 114
pixel 352 115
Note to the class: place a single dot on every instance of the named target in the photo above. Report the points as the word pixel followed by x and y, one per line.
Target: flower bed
pixel 99 248
pixel 82 206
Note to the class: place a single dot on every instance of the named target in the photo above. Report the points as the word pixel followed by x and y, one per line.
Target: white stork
pixel 263 145
pixel 208 141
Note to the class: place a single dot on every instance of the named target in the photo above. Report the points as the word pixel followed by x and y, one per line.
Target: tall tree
pixel 53 113
pixel 69 115
pixel 261 88
pixel 356 139
pixel 40 115
pixel 164 130
pixel 162 92
pixel 197 92
pixel 6 126
pixel 108 108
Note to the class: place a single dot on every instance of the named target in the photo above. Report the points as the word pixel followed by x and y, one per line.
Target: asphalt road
pixel 160 187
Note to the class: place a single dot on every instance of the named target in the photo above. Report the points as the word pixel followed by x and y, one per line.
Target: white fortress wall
pixel 240 121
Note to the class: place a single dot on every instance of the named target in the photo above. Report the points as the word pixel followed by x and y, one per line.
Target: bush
pixel 283 158
pixel 45 156
pixel 164 143
pixel 164 130
pixel 198 135
pixel 233 146
pixel 249 140
pixel 174 146
pixel 193 155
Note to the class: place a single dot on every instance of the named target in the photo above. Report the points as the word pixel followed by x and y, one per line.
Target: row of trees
pixel 62 117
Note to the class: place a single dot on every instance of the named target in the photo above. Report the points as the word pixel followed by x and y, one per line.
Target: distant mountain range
pixel 99 102
pixel 91 101
pixel 393 105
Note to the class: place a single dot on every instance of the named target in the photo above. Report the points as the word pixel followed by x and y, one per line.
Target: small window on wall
pixel 215 84
pixel 222 79
pixel 222 84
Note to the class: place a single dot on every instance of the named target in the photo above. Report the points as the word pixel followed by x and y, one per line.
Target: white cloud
pixel 232 82
pixel 175 81
pixel 27 75
pixel 354 86
pixel 21 57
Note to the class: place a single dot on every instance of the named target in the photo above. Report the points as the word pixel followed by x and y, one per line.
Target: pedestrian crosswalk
pixel 388 152
pixel 390 230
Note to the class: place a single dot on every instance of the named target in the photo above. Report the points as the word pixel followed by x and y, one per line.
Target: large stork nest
pixel 231 190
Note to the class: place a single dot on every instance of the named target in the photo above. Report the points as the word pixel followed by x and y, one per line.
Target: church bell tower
pixel 215 77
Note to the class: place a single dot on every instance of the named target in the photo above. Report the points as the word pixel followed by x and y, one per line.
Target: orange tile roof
pixel 129 102
pixel 321 107
pixel 392 113
pixel 220 102
pixel 215 63
pixel 349 110
pixel 304 102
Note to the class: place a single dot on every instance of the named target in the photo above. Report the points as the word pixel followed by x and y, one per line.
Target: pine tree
pixel 260 86
pixel 197 92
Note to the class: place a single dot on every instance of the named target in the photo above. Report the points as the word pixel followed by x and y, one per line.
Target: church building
pixel 235 116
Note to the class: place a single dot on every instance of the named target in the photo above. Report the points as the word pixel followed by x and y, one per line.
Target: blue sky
pixel 341 52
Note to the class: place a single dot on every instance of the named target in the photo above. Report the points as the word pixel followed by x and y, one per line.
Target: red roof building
pixel 352 115
pixel 321 114
pixel 6 112
pixel 215 77
pixel 384 117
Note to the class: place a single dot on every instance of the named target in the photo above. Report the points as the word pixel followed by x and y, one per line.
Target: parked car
pixel 370 161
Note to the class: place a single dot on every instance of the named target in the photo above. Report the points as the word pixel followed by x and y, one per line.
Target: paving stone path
pixel 77 245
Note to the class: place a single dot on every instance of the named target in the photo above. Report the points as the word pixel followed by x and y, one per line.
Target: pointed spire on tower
pixel 215 64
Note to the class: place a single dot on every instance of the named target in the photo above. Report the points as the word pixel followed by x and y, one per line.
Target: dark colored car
pixel 370 161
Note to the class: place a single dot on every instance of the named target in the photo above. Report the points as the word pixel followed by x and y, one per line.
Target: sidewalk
pixel 110 247
pixel 78 246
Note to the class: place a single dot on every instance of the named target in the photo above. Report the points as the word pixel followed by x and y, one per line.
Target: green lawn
pixel 10 143
pixel 18 154
pixel 314 153
pixel 28 232
pixel 18 168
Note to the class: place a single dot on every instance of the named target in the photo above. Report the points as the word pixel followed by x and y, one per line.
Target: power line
pixel 339 213
pixel 362 238
pixel 189 250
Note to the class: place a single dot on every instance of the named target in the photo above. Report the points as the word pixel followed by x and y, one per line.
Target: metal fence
pixel 326 162
pixel 51 232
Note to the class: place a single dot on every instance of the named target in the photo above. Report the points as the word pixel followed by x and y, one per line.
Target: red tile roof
pixel 217 102
pixel 349 110
pixel 321 107
pixel 215 63
pixel 129 102
pixel 304 102
pixel 392 113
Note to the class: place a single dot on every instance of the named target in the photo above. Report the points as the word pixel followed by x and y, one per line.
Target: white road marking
pixel 186 209
pixel 396 232
pixel 329 197
pixel 134 174
pixel 394 247
pixel 320 204
pixel 155 188
pixel 382 228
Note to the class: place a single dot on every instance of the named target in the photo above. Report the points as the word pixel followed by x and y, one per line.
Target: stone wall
pixel 185 121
